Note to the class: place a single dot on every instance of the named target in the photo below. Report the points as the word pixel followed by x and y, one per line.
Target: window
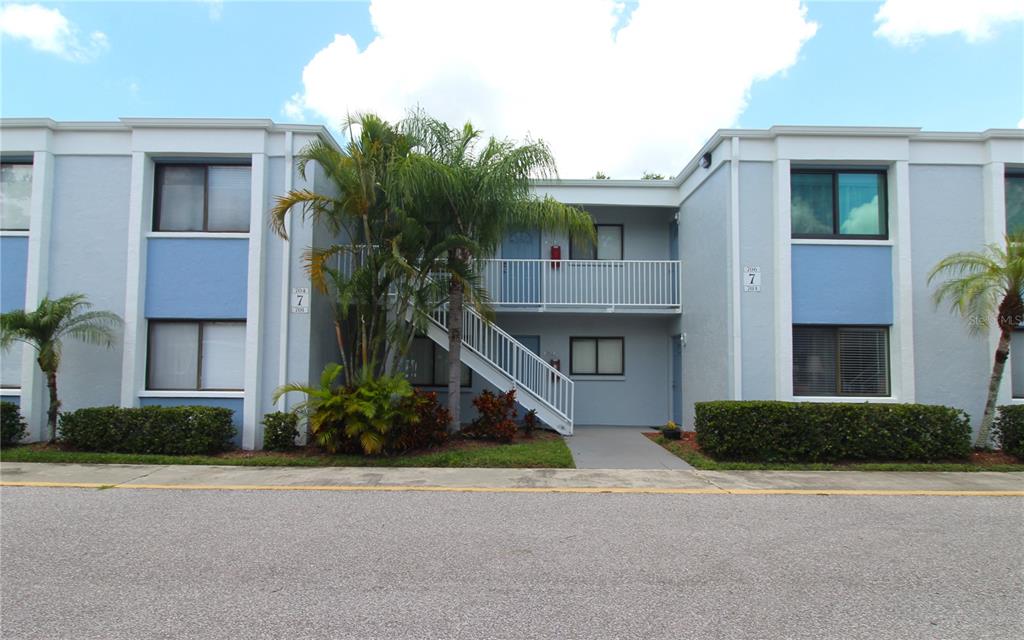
pixel 597 356
pixel 427 365
pixel 1017 364
pixel 199 356
pixel 1014 203
pixel 839 204
pixel 15 195
pixel 840 361
pixel 213 198
pixel 609 245
pixel 10 366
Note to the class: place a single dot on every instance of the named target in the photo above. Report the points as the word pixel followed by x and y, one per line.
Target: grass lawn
pixel 688 450
pixel 542 451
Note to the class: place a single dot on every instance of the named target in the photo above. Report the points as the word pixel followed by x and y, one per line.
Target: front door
pixel 677 379
pixel 520 281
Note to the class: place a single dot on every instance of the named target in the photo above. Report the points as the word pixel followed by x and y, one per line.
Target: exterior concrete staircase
pixel 508 364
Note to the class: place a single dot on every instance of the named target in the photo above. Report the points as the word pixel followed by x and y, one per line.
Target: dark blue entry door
pixel 520 281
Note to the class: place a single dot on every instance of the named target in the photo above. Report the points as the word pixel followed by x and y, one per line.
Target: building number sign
pixel 300 300
pixel 751 279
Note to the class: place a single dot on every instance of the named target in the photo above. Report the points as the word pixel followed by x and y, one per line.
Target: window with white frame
pixel 840 361
pixel 15 195
pixel 1017 364
pixel 10 366
pixel 212 198
pixel 609 244
pixel 427 365
pixel 838 204
pixel 1015 203
pixel 597 356
pixel 187 355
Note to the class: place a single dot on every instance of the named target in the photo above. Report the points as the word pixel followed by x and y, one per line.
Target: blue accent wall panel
pixel 196 277
pixel 13 272
pixel 13 399
pixel 235 404
pixel 842 284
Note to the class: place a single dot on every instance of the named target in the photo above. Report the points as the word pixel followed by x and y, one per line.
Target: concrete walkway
pixel 619 448
pixel 511 480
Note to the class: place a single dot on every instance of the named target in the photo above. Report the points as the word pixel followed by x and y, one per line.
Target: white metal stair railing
pixel 508 364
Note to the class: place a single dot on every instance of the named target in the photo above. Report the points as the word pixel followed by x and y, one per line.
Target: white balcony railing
pixel 583 283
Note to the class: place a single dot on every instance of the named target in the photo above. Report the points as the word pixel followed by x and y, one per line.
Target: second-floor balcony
pixel 583 285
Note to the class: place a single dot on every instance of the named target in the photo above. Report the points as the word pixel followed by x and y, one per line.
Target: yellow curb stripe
pixel 623 490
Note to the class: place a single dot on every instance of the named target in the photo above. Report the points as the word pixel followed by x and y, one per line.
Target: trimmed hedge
pixel 185 430
pixel 1009 429
pixel 769 431
pixel 280 430
pixel 12 425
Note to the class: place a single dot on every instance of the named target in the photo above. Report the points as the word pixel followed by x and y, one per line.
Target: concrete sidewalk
pixel 512 480
pixel 619 448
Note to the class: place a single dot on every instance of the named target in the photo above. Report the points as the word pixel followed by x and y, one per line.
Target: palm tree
pixel 979 285
pixel 471 193
pixel 376 252
pixel 44 330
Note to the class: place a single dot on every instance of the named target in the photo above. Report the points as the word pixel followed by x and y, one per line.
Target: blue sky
pixel 820 63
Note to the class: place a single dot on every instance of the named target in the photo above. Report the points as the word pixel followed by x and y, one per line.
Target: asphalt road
pixel 134 564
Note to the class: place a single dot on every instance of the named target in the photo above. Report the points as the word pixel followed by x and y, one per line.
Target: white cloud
pixel 49 31
pixel 905 22
pixel 215 9
pixel 607 93
pixel 1020 124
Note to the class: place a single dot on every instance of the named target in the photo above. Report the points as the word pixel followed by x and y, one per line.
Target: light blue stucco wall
pixel 951 366
pixel 88 254
pixel 13 270
pixel 196 277
pixel 757 309
pixel 235 404
pixel 704 245
pixel 842 284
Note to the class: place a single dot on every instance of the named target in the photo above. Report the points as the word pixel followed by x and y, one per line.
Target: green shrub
pixel 766 431
pixel 280 430
pixel 1009 429
pixel 428 428
pixel 12 426
pixel 495 417
pixel 186 430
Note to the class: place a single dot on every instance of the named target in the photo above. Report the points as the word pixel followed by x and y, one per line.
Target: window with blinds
pixel 840 361
pixel 207 198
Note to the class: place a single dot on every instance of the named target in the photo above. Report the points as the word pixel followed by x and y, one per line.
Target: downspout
pixel 286 277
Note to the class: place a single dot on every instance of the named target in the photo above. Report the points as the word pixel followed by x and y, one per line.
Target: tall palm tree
pixel 472 192
pixel 376 248
pixel 45 329
pixel 980 286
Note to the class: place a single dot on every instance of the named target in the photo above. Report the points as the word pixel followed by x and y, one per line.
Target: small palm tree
pixel 980 285
pixel 44 330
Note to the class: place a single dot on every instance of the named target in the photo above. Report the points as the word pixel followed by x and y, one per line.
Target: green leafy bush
pixel 428 428
pixel 495 417
pixel 280 430
pixel 1009 429
pixel 12 425
pixel 357 418
pixel 767 431
pixel 186 430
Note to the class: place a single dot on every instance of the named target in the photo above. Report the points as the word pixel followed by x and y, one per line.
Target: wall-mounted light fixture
pixel 705 160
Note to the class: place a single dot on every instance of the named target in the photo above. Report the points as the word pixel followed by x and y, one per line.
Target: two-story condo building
pixel 789 263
